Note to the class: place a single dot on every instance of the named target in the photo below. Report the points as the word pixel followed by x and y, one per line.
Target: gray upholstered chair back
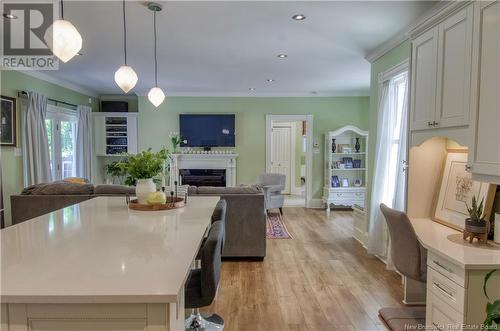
pixel 211 261
pixel 408 254
pixel 272 179
pixel 219 213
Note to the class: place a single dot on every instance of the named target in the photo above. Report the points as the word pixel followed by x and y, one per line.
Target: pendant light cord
pixel 124 33
pixel 156 62
pixel 62 10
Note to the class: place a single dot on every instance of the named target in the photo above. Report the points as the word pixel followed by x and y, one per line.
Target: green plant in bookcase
pixel 141 169
pixel 492 321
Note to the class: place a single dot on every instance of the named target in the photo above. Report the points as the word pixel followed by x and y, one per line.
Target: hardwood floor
pixel 322 279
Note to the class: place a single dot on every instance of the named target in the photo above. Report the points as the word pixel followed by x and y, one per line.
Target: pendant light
pixel 63 38
pixel 155 94
pixel 125 76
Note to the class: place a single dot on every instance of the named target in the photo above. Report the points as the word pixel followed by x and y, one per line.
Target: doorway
pixel 289 152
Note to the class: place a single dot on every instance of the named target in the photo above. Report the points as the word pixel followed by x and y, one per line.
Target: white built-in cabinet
pixel 115 133
pixel 455 85
pixel 484 147
pixel 441 68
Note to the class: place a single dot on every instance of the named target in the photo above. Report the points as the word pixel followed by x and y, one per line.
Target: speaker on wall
pixel 114 106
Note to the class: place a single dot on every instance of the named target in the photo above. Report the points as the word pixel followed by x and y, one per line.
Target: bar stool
pixel 202 283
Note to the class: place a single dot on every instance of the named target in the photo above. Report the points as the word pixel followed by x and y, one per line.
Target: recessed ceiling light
pixel 270 80
pixel 282 56
pixel 251 89
pixel 299 17
pixel 9 16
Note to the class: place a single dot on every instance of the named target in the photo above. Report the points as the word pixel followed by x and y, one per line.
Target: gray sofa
pixel 245 220
pixel 40 199
pixel 245 215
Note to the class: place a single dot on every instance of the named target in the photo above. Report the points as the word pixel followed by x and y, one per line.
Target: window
pixel 61 124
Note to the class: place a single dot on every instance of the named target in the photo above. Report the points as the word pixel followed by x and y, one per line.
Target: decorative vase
pixel 476 230
pixel 334 146
pixel 143 188
pixel 357 146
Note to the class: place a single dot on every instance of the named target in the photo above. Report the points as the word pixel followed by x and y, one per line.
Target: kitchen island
pixel 97 265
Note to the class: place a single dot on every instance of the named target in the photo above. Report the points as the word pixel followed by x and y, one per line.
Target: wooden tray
pixel 178 203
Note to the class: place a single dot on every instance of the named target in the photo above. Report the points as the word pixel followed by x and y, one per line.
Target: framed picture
pixel 457 188
pixel 348 162
pixel 7 121
pixel 345 182
pixel 356 163
pixel 344 148
pixel 335 181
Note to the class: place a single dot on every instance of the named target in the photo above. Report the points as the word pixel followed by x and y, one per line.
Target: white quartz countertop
pixel 433 236
pixel 99 251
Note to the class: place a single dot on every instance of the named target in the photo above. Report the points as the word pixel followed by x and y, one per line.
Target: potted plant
pixel 141 169
pixel 175 139
pixel 492 308
pixel 116 173
pixel 476 225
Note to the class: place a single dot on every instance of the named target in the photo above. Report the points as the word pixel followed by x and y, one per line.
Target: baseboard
pixel 360 236
pixel 296 190
pixel 317 204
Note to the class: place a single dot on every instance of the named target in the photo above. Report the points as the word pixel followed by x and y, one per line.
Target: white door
pixel 423 83
pixel 281 147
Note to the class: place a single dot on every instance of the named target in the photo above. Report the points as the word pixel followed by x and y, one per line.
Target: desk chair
pixel 202 283
pixel 410 259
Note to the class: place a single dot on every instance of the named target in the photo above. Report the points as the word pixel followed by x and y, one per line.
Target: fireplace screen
pixel 203 177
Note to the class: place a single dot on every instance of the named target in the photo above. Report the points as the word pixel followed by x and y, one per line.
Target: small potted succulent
pixel 141 169
pixel 476 223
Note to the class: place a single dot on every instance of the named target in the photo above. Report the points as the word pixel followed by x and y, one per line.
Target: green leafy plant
pixel 476 211
pixel 114 170
pixel 144 165
pixel 492 308
pixel 175 139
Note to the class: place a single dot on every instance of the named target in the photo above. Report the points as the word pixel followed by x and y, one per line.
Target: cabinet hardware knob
pixel 468 168
pixel 435 123
pixel 429 123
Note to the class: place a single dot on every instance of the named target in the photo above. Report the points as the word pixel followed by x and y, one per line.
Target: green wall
pixel 329 114
pixel 11 83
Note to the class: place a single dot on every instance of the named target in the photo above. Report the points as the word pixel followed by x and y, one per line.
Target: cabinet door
pixel 454 68
pixel 484 150
pixel 99 135
pixel 423 83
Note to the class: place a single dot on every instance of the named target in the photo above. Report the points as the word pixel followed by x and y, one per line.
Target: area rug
pixel 276 228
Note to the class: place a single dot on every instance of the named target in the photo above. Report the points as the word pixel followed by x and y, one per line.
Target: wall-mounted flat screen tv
pixel 207 130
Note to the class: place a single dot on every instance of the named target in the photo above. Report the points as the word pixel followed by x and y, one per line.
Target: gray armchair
pixel 273 184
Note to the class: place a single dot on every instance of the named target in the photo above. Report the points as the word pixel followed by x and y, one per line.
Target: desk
pixel 455 274
pixel 99 266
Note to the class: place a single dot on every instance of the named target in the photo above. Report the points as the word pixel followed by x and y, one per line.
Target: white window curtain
pixel 389 180
pixel 84 143
pixel 36 157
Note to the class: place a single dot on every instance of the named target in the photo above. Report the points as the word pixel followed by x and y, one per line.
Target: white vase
pixel 143 188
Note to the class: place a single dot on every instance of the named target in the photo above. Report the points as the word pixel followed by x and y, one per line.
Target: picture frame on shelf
pixel 358 182
pixel 335 181
pixel 356 163
pixel 344 148
pixel 348 162
pixel 8 125
pixel 345 182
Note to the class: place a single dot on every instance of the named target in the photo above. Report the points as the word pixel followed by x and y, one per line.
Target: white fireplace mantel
pixel 204 161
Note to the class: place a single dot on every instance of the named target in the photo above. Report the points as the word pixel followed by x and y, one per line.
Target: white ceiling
pixel 224 48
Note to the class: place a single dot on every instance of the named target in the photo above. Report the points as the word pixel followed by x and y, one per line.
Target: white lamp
pixel 66 41
pixel 125 76
pixel 156 96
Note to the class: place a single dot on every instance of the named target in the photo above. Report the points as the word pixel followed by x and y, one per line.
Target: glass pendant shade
pixel 64 40
pixel 126 78
pixel 156 96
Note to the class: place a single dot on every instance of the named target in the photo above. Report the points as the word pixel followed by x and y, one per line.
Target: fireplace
pixel 203 177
